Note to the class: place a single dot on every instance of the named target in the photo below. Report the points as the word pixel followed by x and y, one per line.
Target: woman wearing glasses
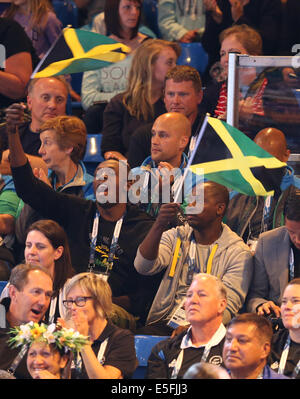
pixel 110 352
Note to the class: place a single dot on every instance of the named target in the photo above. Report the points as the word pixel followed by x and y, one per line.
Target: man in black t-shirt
pixel 47 98
pixel 205 304
pixel 276 261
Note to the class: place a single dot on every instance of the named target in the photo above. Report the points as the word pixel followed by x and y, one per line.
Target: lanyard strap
pixel 283 359
pixel 52 309
pixel 292 264
pixel 192 268
pixel 267 211
pixel 100 356
pixel 113 245
pixel 179 360
pixel 17 359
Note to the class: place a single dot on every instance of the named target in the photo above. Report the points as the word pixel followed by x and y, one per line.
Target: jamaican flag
pixel 228 157
pixel 78 50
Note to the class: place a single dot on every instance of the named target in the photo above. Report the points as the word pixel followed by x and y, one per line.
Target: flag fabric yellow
pixel 227 156
pixel 78 50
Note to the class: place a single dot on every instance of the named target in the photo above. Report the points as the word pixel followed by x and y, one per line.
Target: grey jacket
pixel 271 268
pixel 232 263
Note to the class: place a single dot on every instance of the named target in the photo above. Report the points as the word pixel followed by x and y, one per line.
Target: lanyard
pixel 266 212
pixel 113 245
pixel 192 268
pixel 179 360
pixel 52 309
pixel 292 264
pixel 284 357
pixel 100 356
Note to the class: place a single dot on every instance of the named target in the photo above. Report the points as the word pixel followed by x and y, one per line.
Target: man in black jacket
pixel 103 235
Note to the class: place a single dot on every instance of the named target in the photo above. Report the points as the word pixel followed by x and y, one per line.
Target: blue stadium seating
pixel 2 285
pixel 67 12
pixel 150 13
pixel 143 346
pixel 194 55
pixel 93 152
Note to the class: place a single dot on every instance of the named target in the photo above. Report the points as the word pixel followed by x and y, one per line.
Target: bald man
pixel 170 135
pixel 250 216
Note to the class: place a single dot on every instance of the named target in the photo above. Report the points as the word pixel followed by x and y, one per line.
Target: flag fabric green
pixel 228 157
pixel 78 50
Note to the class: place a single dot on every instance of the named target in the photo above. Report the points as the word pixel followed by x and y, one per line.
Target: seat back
pixel 150 13
pixel 194 55
pixel 93 155
pixel 67 12
pixel 143 346
pixel 2 285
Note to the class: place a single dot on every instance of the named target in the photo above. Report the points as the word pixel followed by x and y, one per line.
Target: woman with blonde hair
pixel 110 352
pixel 142 102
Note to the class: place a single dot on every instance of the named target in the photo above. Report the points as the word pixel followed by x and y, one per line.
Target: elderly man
pixel 47 98
pixel 30 293
pixel 203 244
pixel 247 346
pixel 205 304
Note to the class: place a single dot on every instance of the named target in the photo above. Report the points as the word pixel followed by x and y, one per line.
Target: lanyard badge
pixel 112 249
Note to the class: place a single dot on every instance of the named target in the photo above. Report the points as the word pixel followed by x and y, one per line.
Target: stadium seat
pixel 2 285
pixel 93 152
pixel 194 55
pixel 67 12
pixel 150 13
pixel 143 347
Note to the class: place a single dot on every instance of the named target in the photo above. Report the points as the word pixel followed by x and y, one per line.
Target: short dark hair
pixel 220 193
pixel 185 73
pixel 262 324
pixel 292 205
pixel 19 274
pixel 112 18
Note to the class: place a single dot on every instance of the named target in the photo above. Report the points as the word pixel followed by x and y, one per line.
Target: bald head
pixel 273 141
pixel 170 135
pixel 175 123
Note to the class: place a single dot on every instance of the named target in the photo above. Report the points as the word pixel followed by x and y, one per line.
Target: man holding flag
pixel 204 244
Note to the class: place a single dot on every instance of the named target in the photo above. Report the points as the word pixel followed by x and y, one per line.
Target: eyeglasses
pixel 79 301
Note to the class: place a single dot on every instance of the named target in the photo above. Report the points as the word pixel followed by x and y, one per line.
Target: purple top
pixel 42 38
